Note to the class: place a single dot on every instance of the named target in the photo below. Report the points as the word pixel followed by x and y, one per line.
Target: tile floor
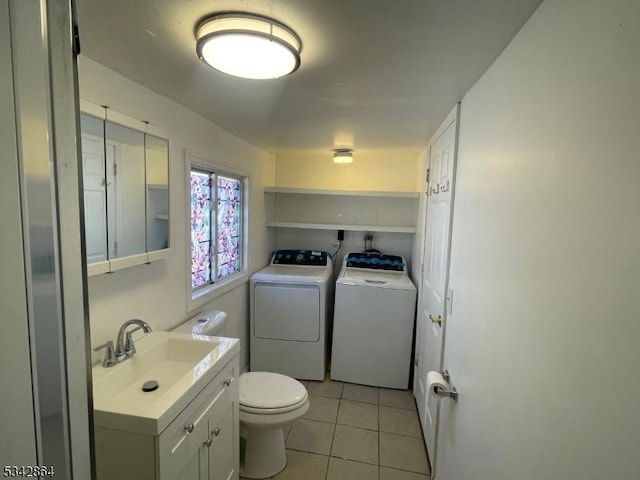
pixel 354 432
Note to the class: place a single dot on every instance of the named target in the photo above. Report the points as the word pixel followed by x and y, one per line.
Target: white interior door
pixel 435 266
pixel 95 198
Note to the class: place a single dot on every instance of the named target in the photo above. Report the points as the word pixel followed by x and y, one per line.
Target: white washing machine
pixel 290 314
pixel 373 320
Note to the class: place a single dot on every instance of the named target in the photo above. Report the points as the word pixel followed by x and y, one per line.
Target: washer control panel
pixel 300 257
pixel 375 261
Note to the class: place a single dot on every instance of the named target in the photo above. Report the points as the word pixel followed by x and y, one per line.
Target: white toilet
pixel 268 402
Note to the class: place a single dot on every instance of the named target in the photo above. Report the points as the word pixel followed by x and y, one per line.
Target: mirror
pixel 157 152
pixel 126 193
pixel 95 193
pixel 126 231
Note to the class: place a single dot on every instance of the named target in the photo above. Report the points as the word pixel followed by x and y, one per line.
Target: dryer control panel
pixel 375 261
pixel 300 257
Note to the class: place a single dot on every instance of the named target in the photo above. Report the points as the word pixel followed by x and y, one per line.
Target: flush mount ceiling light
pixel 343 156
pixel 248 46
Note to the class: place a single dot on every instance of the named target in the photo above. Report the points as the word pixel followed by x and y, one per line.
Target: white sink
pixel 181 363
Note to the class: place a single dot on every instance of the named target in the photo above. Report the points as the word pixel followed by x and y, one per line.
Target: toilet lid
pixel 270 390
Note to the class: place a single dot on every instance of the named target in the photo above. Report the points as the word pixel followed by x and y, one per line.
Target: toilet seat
pixel 270 393
pixel 272 411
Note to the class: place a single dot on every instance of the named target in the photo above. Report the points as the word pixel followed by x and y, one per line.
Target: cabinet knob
pixel 208 442
pixel 189 428
pixel 215 432
pixel 227 382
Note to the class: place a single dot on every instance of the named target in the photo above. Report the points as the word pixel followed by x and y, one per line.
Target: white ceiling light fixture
pixel 248 46
pixel 342 156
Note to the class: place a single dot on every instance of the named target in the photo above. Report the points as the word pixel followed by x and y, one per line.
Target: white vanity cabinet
pixel 201 443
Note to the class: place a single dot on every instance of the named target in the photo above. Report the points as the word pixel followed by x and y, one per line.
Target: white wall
pixel 157 293
pixel 370 170
pixel 417 245
pixel 543 343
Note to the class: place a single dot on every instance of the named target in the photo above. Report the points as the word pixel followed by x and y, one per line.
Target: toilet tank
pixel 213 323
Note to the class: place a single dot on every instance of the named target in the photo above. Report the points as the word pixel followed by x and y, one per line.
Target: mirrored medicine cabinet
pixel 126 193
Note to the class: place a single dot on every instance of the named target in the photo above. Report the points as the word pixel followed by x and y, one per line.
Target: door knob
pixel 437 319
pixel 208 442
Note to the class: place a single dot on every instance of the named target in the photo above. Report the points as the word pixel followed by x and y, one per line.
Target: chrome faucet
pixel 124 343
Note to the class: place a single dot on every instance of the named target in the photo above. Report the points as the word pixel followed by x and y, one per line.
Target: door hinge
pixel 115 169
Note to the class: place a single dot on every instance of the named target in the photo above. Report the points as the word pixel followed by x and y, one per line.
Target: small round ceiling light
pixel 342 156
pixel 248 46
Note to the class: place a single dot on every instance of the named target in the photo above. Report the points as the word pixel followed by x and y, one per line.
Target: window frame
pixel 198 296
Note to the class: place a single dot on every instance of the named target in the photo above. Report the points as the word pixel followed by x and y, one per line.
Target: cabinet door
pixel 126 216
pixel 183 452
pixel 157 168
pixel 95 188
pixel 224 455
pixel 196 468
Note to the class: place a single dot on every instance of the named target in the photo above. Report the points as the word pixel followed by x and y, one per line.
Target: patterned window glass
pixel 216 206
pixel 228 236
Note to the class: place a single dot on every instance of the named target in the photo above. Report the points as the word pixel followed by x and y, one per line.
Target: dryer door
pixel 286 312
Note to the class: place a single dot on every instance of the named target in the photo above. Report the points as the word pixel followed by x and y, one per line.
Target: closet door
pixel 431 319
pixel 17 427
pixel 44 407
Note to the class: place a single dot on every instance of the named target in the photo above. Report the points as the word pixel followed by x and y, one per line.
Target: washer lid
pixel 375 278
pixel 294 274
pixel 270 390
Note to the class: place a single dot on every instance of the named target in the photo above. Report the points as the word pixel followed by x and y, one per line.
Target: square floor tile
pixel 360 393
pixel 355 444
pixel 397 398
pixel 328 388
pixel 387 473
pixel 311 436
pixel 340 469
pixel 322 409
pixel 304 465
pixel 402 422
pixel 358 414
pixel 404 453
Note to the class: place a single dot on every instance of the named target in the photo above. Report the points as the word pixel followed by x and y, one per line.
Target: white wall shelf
pixel 347 193
pixel 337 226
pixel 353 210
pixel 157 186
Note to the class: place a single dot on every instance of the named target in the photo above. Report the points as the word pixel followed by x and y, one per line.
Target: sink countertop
pixel 118 400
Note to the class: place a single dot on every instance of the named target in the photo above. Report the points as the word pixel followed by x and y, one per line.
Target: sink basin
pixel 180 363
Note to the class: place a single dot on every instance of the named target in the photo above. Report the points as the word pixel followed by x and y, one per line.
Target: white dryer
pixel 290 304
pixel 373 321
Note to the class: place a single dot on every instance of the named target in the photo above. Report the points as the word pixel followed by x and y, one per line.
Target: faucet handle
pixel 109 355
pixel 129 347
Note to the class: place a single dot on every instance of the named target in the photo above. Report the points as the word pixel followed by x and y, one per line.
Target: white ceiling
pixel 375 74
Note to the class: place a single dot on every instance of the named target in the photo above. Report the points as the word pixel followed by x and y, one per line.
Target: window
pixel 216 227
